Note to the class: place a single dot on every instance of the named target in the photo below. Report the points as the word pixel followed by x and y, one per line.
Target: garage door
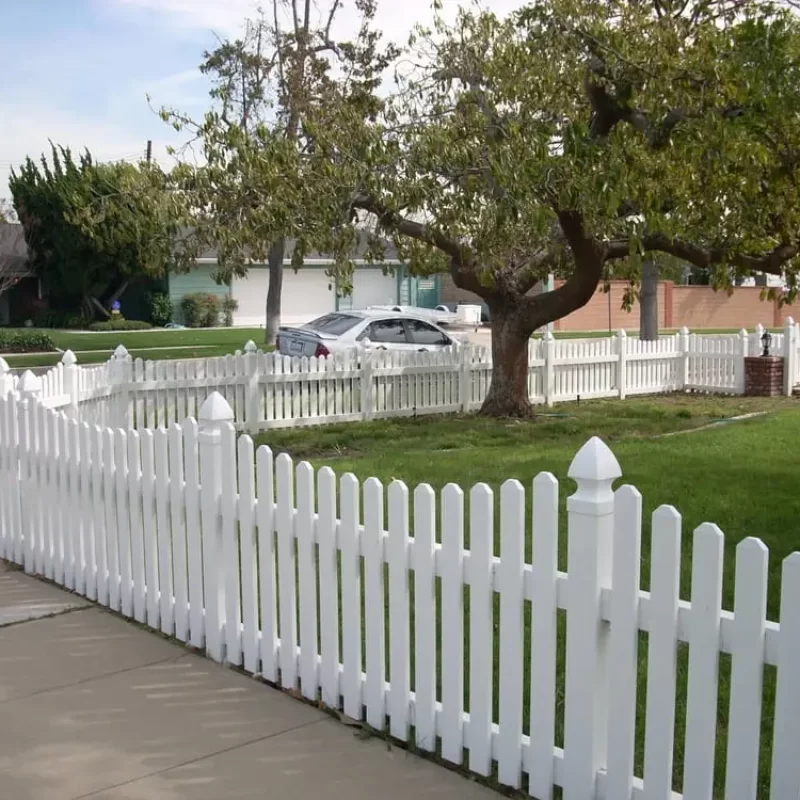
pixel 372 288
pixel 306 295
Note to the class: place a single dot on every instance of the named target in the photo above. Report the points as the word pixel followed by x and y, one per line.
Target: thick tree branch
pixel 462 260
pixel 772 262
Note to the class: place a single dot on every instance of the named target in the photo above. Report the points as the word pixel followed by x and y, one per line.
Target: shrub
pixel 25 342
pixel 61 319
pixel 200 310
pixel 229 306
pixel 120 324
pixel 161 309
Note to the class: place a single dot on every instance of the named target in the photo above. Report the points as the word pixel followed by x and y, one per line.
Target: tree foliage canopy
pixel 92 228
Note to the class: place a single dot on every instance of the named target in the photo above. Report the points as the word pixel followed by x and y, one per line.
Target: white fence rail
pixel 261 562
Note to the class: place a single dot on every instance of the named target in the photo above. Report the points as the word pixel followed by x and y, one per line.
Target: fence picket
pixel 747 665
pixel 110 508
pixel 374 604
pixel 424 617
pixel 452 719
pixel 662 653
pixel 328 586
pixel 351 596
pixel 287 565
pixel 197 633
pixel 265 516
pixel 481 622
pixel 399 604
pixel 150 528
pixel 307 575
pixel 230 550
pixel 177 523
pixel 137 542
pixel 704 633
pixel 512 593
pixel 544 621
pixel 624 641
pixel 249 549
pixel 786 732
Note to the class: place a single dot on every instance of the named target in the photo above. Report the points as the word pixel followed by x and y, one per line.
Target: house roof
pixel 13 249
pixel 358 251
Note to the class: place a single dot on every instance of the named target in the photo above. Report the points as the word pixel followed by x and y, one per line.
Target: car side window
pixel 425 334
pixel 387 331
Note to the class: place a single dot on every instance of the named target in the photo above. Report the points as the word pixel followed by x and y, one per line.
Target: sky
pixel 78 72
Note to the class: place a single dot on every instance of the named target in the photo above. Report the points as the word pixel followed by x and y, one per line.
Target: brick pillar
pixel 763 376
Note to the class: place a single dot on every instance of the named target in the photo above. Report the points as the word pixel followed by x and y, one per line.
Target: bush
pixel 25 342
pixel 161 309
pixel 200 310
pixel 121 324
pixel 61 319
pixel 229 306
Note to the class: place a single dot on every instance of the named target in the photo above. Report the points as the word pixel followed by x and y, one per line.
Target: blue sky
pixel 78 71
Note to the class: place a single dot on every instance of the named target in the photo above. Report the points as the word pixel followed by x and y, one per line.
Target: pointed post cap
pixel 121 352
pixel 622 333
pixel 759 329
pixel 250 347
pixel 594 469
pixel 4 368
pixel 684 331
pixel 69 359
pixel 548 335
pixel 29 384
pixel 214 412
pixel 789 322
pixel 743 333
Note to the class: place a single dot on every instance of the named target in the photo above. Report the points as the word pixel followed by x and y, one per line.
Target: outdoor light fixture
pixel 766 340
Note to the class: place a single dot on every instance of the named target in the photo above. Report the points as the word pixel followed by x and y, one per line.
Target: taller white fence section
pixel 397 606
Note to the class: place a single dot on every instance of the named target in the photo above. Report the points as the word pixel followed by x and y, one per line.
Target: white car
pixel 374 328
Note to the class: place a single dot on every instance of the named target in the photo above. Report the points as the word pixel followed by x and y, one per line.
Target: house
pixel 309 291
pixel 19 287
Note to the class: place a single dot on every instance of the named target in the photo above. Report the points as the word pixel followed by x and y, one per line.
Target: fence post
pixel 29 388
pixel 465 378
pixel 549 382
pixel 744 351
pixel 215 415
pixel 622 367
pixel 6 378
pixel 367 403
pixel 790 356
pixel 122 390
pixel 71 381
pixel 683 348
pixel 251 408
pixel 590 531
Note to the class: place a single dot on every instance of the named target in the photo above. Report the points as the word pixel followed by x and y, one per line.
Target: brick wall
pixel 696 307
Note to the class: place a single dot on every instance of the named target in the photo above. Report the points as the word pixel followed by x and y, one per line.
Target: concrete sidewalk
pixel 92 706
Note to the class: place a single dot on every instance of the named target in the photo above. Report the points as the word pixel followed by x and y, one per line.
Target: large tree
pixel 569 136
pixel 91 228
pixel 265 85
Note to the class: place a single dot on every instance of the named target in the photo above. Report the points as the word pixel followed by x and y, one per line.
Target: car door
pixel 424 336
pixel 387 334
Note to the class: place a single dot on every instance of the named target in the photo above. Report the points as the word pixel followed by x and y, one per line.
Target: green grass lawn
pixel 188 343
pixel 741 475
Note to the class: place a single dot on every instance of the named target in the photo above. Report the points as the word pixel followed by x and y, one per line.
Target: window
pixel 333 324
pixel 386 331
pixel 425 334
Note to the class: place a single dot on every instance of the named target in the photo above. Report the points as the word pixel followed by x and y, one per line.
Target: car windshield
pixel 333 324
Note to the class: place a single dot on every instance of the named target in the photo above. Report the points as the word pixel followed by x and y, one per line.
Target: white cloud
pixel 395 18
pixel 27 127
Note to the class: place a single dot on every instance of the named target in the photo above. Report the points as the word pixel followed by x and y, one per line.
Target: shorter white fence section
pixel 267 390
pixel 397 606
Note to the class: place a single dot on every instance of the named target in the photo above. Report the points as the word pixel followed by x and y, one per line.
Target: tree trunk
pixel 273 308
pixel 508 394
pixel 648 303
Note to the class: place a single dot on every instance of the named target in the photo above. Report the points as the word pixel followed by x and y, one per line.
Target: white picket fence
pixel 260 562
pixel 266 390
